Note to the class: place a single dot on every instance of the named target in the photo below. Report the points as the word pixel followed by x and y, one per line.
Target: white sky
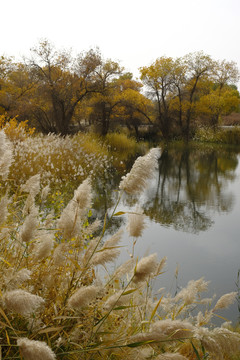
pixel 136 32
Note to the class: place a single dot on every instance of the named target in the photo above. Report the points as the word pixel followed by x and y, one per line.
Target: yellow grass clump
pixel 121 143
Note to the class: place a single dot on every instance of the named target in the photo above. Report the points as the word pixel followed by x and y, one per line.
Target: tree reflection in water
pixel 190 185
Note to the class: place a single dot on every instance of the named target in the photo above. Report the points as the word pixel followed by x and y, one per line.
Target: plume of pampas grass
pixel 225 301
pixel 23 275
pixel 83 296
pixel 203 319
pixel 139 354
pixel 32 185
pixel 173 329
pixel 35 350
pixel 166 329
pixel 219 341
pixel 43 247
pixel 142 171
pixel 92 228
pixel 29 205
pixel 59 254
pixel 171 356
pixel 29 226
pixel 108 252
pixel 124 269
pixel 4 209
pixel 83 195
pixel 189 293
pixel 161 265
pixel 136 223
pixel 45 192
pixel 6 155
pixel 22 302
pixel 13 279
pixel 91 249
pixel 68 222
pixel 70 219
pixel 146 267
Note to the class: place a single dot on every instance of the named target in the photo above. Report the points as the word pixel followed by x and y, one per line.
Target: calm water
pixel 192 207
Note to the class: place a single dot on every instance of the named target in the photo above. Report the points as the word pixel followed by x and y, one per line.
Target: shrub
pixel 15 130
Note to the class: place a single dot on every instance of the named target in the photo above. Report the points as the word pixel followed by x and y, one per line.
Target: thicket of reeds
pixel 58 299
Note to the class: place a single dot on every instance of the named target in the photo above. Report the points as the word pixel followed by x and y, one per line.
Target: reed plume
pixel 109 252
pixel 4 209
pixel 190 292
pixel 32 185
pixel 136 223
pixel 70 220
pixel 83 296
pixel 225 301
pixel 146 267
pixel 22 302
pixel 43 246
pixel 166 329
pixel 35 350
pixel 219 341
pixel 29 227
pixel 142 171
pixel 6 155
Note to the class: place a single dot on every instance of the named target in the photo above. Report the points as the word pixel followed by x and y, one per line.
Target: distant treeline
pixel 59 93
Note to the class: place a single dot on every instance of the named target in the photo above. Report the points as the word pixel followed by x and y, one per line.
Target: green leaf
pixel 139 343
pixel 196 352
pixel 103 318
pixel 128 292
pixel 119 213
pixel 109 248
pixel 124 307
pixel 155 309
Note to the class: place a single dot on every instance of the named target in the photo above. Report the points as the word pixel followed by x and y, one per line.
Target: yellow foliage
pixel 15 130
pixel 216 102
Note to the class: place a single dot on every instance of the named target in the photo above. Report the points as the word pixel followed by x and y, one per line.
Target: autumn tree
pixel 158 78
pixel 105 98
pixel 185 88
pixel 134 109
pixel 16 85
pixel 118 101
pixel 222 98
pixel 191 74
pixel 63 82
pixel 218 103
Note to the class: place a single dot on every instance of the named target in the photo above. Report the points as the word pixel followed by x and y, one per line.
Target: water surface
pixel 192 207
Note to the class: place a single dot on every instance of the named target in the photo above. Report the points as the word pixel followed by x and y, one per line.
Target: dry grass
pixel 55 302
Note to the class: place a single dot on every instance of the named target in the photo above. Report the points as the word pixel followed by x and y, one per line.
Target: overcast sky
pixel 135 32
